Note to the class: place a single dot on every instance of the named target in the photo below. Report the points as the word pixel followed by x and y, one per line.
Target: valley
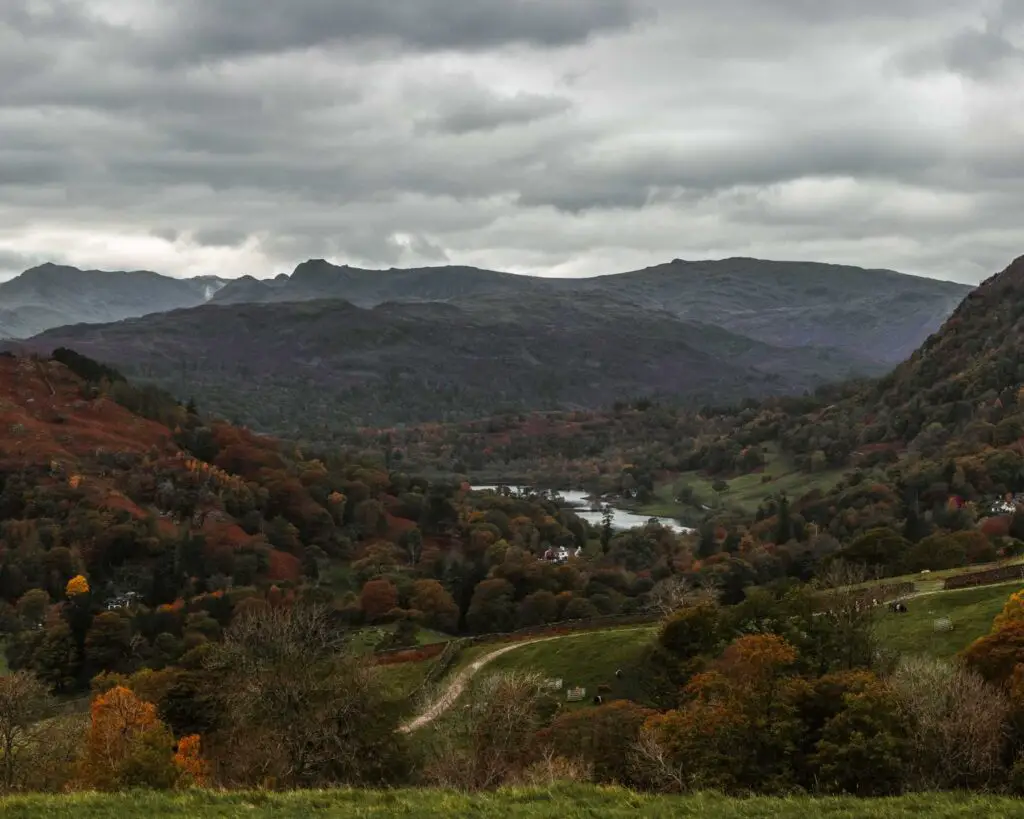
pixel 762 513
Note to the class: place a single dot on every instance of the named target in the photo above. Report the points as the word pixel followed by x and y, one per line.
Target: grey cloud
pixel 487 113
pixel 206 30
pixel 168 234
pixel 14 262
pixel 973 52
pixel 685 134
pixel 219 237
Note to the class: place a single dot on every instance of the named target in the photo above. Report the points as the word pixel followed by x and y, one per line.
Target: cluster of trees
pixel 784 692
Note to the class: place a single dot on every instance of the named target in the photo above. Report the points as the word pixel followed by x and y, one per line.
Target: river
pixel 580 503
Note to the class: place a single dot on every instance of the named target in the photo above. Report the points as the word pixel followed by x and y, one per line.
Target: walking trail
pixel 460 680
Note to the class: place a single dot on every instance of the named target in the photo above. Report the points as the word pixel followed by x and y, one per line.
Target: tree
pixel 297 711
pixel 863 748
pixel 438 606
pixel 32 606
pixel 108 643
pixel 537 608
pixel 490 609
pixel 607 515
pixel 784 525
pixel 188 759
pixel 957 724
pixel 739 727
pixel 377 598
pixel 413 543
pixel 996 655
pixel 76 586
pixel 24 701
pixel 127 745
pixel 488 740
pixel 603 736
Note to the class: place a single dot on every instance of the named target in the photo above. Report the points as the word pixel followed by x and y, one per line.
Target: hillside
pixel 875 316
pixel 54 295
pixel 309 369
pixel 935 446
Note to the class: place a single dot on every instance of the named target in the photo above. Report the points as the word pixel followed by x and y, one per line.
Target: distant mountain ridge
pixel 53 295
pixel 878 316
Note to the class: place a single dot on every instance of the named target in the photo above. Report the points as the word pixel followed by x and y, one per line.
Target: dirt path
pixel 459 682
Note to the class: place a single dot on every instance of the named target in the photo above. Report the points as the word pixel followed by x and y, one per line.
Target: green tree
pixel 491 608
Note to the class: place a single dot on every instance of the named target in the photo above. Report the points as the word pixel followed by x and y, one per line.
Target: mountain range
pixel 331 346
pixel 53 295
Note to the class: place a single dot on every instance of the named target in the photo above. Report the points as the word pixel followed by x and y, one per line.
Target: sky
pixel 550 137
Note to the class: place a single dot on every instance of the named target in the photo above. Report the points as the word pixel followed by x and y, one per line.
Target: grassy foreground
pixel 562 802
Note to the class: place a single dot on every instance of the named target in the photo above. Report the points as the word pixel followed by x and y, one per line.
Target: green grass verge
pixel 560 802
pixel 970 610
pixel 365 639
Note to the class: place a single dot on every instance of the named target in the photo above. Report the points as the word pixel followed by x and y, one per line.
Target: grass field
pixel 402 681
pixel 560 802
pixel 587 660
pixel 367 638
pixel 970 610
pixel 744 492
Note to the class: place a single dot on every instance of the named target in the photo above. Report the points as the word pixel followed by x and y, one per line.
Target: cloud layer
pixel 560 137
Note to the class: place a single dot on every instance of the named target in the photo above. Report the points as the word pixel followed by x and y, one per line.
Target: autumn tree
pixel 996 655
pixel 24 702
pixel 377 598
pixel 76 586
pixel 604 737
pixel 193 769
pixel 437 605
pixel 127 745
pixel 738 727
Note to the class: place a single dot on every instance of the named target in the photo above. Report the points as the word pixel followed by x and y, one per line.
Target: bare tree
pixel 960 723
pixel 24 703
pixel 485 740
pixel 674 593
pixel 552 768
pixel 299 710
pixel 655 767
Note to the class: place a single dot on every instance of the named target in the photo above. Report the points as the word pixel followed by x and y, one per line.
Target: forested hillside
pixel 312 369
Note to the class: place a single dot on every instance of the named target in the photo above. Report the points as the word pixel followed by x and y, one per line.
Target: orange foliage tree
pixel 997 655
pixel 188 759
pixel 127 745
pixel 77 585
pixel 739 727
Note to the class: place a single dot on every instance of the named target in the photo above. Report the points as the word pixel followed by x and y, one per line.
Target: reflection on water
pixel 582 506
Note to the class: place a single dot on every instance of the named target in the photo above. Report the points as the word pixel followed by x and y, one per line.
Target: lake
pixel 580 503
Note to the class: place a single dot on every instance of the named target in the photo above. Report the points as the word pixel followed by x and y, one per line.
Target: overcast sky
pixel 559 137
